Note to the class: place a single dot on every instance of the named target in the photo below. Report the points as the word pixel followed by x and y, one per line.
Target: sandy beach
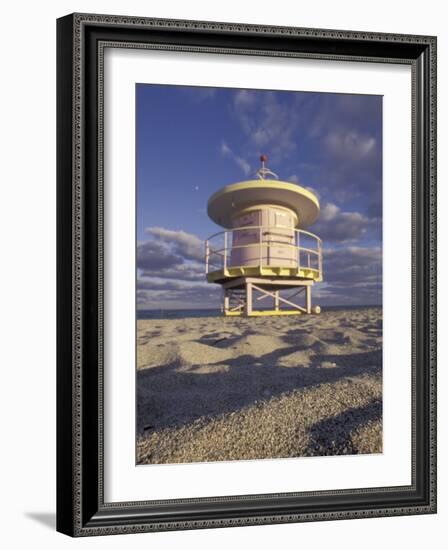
pixel 215 388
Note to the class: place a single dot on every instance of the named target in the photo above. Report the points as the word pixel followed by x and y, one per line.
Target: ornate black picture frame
pixel 81 508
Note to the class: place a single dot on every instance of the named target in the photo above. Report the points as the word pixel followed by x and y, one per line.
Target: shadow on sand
pixel 172 395
pixel 333 436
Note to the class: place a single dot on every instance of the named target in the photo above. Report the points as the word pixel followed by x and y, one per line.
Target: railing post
pixel 320 259
pixel 317 249
pixel 225 250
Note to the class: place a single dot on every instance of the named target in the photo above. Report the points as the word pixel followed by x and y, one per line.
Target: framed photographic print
pixel 246 274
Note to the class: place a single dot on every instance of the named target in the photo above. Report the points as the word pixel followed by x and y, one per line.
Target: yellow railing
pixel 300 249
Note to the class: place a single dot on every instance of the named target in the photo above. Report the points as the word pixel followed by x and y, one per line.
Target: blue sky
pixel 192 141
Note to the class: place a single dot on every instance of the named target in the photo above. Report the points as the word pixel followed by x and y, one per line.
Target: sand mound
pixel 235 388
pixel 183 353
pixel 195 353
pixel 295 359
pixel 256 345
pixel 153 356
pixel 205 369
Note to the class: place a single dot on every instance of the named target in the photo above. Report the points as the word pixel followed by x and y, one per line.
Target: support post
pixel 276 301
pixel 226 301
pixel 308 299
pixel 248 299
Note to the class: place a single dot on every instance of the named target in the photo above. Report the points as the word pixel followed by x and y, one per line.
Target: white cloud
pixel 349 145
pixel 329 212
pixel 167 296
pixel 294 178
pixel 335 225
pixel 268 124
pixel 245 98
pixel 155 255
pixel 243 164
pixel 352 275
pixel 182 243
pixel 172 271
pixel 226 151
pixel 187 271
pixel 172 275
pixel 154 283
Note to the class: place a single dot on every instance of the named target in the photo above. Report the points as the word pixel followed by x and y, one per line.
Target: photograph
pixel 258 274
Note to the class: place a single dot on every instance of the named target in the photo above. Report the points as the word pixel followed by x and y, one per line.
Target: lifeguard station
pixel 264 255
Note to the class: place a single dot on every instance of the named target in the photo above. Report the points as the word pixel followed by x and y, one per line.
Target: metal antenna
pixel 264 171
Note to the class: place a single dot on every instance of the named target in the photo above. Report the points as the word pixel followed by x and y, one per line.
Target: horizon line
pixel 218 308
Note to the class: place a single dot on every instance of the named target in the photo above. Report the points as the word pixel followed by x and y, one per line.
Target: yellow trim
pixel 251 185
pixel 274 184
pixel 257 271
pixel 262 313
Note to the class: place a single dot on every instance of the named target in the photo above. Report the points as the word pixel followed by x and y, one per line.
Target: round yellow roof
pixel 229 200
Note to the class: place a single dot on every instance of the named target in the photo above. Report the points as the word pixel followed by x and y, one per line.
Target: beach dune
pixel 217 388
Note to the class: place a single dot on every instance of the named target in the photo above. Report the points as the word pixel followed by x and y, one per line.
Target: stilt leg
pixel 248 299
pixel 226 301
pixel 308 299
pixel 276 301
